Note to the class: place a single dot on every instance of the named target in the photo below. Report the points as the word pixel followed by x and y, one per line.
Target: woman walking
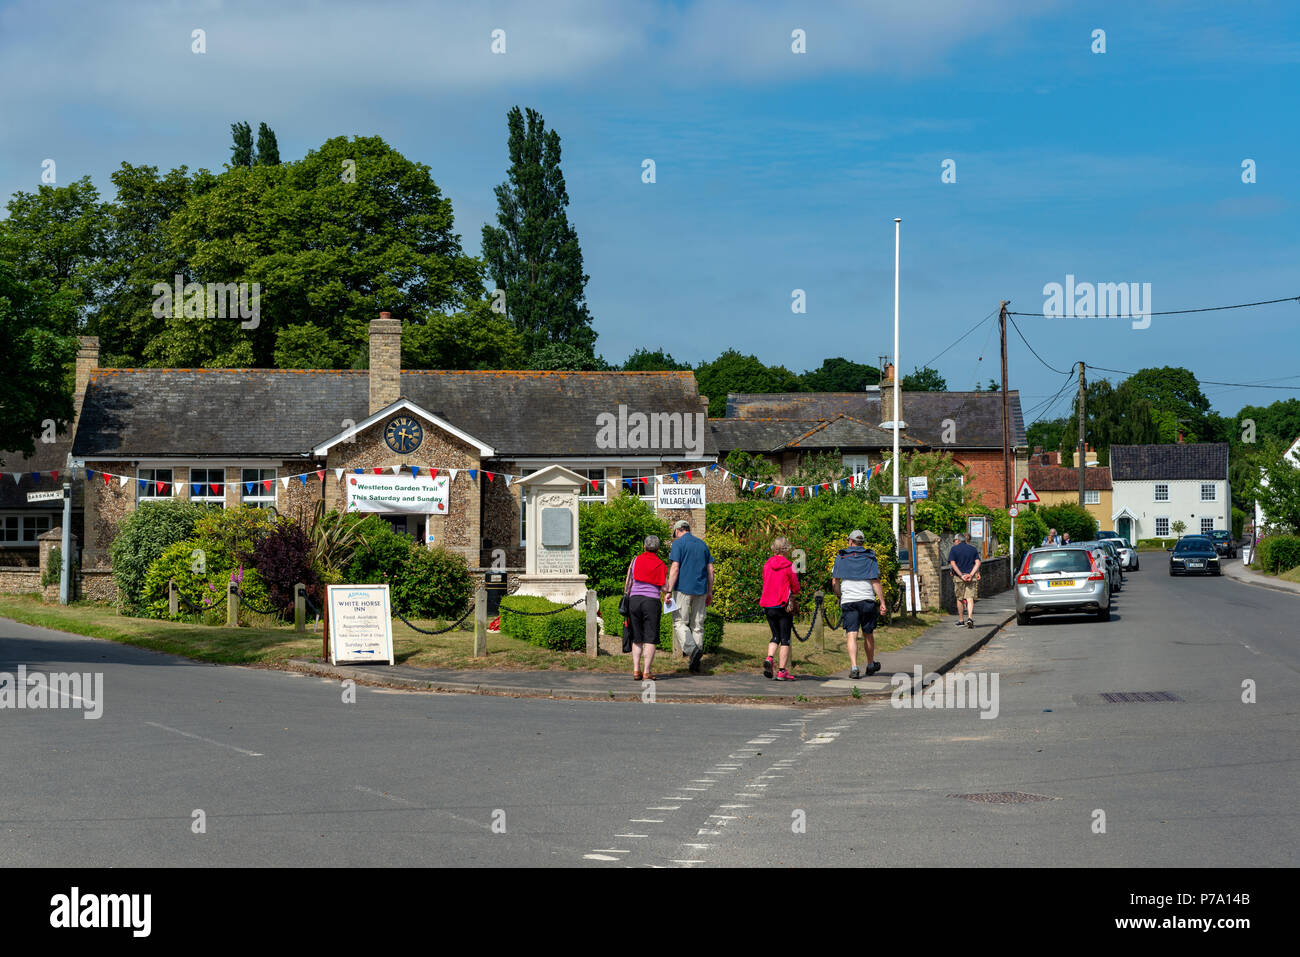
pixel 780 585
pixel 644 586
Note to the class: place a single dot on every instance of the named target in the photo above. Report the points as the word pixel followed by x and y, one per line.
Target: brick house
pixel 289 439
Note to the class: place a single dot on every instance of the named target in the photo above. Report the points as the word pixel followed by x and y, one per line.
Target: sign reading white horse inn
pixel 360 623
pixel 398 493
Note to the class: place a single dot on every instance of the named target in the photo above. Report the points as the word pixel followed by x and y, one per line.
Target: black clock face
pixel 404 434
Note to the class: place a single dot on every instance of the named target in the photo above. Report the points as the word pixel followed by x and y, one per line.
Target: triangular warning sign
pixel 1026 492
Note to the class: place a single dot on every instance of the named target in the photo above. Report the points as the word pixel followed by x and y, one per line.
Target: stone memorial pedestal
pixel 552 536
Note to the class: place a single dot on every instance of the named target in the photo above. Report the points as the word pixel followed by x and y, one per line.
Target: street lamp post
pixel 898 369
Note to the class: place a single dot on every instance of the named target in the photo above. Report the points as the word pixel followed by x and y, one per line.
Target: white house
pixel 1292 455
pixel 1154 486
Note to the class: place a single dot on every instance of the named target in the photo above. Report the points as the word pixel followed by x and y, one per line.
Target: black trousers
pixel 643 615
pixel 781 622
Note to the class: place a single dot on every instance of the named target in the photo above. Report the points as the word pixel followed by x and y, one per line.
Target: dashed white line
pixel 599 857
pixel 186 734
pixel 645 820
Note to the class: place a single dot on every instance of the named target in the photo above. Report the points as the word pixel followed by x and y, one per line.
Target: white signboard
pixel 977 528
pixel 398 493
pixel 918 486
pixel 361 624
pixel 679 496
pixel 54 496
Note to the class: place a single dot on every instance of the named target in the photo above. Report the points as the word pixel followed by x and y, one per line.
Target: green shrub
pixel 714 625
pixel 380 554
pixel 1279 553
pixel 229 536
pixel 563 631
pixel 611 534
pixel 202 579
pixel 1030 530
pixel 1160 543
pixel 1238 522
pixel 1068 517
pixel 53 568
pixel 144 535
pixel 434 583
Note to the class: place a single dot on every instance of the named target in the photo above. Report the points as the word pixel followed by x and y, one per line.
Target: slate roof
pixel 977 416
pixel 1056 478
pixel 272 413
pixel 1202 460
pixel 47 457
pixel 772 435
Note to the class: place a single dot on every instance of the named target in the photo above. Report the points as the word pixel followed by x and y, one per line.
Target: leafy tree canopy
pixel 644 360
pixel 924 380
pixel 837 374
pixel 735 372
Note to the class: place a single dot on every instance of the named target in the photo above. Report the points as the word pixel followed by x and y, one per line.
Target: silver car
pixel 1107 560
pixel 1062 580
pixel 1127 553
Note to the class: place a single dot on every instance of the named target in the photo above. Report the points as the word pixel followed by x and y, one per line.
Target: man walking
pixel 856 582
pixel 690 582
pixel 964 560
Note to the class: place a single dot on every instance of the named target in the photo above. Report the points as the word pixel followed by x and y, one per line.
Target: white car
pixel 1128 554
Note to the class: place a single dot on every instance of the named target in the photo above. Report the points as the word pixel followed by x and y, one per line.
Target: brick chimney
pixel 385 361
pixel 87 361
pixel 887 394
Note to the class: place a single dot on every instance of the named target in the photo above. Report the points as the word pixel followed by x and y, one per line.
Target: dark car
pixel 1194 555
pixel 1223 543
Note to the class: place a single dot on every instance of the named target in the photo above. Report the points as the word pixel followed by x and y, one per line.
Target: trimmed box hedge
pixel 613 625
pixel 1279 553
pixel 565 630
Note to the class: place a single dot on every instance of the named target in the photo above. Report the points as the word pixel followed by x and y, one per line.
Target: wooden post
pixel 819 619
pixel 232 606
pixel 593 645
pixel 480 621
pixel 173 599
pixel 299 607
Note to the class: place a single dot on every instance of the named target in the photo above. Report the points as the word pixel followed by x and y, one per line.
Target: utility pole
pixel 1083 395
pixel 1006 415
pixel 898 372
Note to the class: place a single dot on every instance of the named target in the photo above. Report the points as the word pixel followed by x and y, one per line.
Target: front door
pixel 1124 525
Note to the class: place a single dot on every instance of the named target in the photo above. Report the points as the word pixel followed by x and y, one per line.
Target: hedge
pixel 1160 543
pixel 613 625
pixel 564 631
pixel 1279 553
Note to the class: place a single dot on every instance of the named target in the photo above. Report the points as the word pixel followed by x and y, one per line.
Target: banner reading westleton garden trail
pixel 398 493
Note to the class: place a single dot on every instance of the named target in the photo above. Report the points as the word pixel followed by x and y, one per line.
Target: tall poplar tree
pixel 241 151
pixel 533 252
pixel 268 150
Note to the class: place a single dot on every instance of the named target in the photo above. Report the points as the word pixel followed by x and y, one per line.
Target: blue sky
pixel 775 171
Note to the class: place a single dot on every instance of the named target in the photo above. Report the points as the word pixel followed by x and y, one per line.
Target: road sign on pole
pixel 893 500
pixel 918 487
pixel 1013 511
pixel 1026 492
pixel 55 496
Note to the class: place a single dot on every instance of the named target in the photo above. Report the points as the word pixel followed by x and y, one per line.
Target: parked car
pixel 1117 560
pixel 1061 580
pixel 1127 553
pixel 1107 561
pixel 1223 543
pixel 1109 533
pixel 1194 555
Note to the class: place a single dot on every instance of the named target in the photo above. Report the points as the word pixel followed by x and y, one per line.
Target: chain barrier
pixel 539 614
pixel 812 620
pixel 311 605
pixel 440 631
pixel 243 600
pixel 833 626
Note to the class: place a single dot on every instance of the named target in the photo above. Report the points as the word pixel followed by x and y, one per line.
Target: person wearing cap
pixel 964 560
pixel 855 579
pixel 690 581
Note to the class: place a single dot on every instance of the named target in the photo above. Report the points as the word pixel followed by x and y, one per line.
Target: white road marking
pixel 694 789
pixel 698 847
pixel 186 734
pixel 631 835
pixel 687 862
pixel 645 820
pixel 707 830
pixel 725 817
pixel 390 797
pixel 599 857
pixel 610 850
pixel 729 807
pixel 664 807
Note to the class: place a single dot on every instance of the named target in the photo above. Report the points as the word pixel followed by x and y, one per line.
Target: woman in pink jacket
pixel 780 585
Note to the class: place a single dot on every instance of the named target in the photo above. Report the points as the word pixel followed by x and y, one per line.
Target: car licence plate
pixel 1196 564
pixel 1061 583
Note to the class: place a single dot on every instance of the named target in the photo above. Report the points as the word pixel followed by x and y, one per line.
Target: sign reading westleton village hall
pixel 361 626
pixel 679 496
pixel 398 493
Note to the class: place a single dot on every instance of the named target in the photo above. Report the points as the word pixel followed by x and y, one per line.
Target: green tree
pixel 36 327
pixel 1048 434
pixel 268 150
pixel 56 236
pixel 241 150
pixel 751 466
pixel 1277 485
pixel 304 346
pixel 840 375
pixel 533 253
pixel 924 380
pixel 475 338
pixel 562 357
pixel 735 372
pixel 643 360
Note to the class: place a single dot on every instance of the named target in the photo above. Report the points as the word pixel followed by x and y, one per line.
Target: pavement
pixel 937 650
pixel 1242 573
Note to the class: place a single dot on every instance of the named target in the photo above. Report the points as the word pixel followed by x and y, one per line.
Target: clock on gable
pixel 404 434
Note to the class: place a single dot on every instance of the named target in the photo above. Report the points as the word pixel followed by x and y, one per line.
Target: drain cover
pixel 1129 697
pixel 1003 797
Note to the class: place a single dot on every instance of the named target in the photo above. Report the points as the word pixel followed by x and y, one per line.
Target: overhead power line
pixel 1183 312
pixel 961 337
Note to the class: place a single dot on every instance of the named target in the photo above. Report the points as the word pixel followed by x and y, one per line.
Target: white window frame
pixel 645 492
pixel 1204 520
pixel 27 523
pixel 261 498
pixel 587 495
pixel 1158 520
pixel 207 496
pixel 1091 496
pixel 858 464
pixel 523 507
pixel 1213 490
pixel 150 491
pixel 1155 492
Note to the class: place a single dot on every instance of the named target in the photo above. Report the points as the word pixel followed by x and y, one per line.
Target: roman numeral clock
pixel 404 435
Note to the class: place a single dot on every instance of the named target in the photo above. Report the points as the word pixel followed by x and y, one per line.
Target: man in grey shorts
pixel 856 581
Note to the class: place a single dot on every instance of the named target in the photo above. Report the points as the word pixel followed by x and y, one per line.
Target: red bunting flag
pixel 106 477
pixel 489 475
pixel 320 474
pixel 216 489
pixel 379 471
pixel 158 484
pixel 689 473
pixel 433 473
pixel 645 480
pixel 594 485
pixel 55 477
pixel 266 484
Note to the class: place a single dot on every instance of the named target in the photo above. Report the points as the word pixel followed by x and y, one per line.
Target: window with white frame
pixel 1162 491
pixel 1091 497
pixel 208 486
pixel 257 487
pixel 1209 492
pixel 588 493
pixel 1207 525
pixel 153 485
pixel 857 464
pixel 18 530
pixel 1162 526
pixel 642 482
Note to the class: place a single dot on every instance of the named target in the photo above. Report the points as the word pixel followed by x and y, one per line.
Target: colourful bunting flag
pixel 266 484
pixel 303 478
pixel 338 475
pixel 248 488
pixel 473 474
pixel 379 471
pixel 320 474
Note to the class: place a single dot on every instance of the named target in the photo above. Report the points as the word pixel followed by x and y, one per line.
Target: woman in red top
pixel 644 586
pixel 780 584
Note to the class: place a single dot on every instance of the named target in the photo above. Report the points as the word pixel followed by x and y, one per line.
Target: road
pixel 285 772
